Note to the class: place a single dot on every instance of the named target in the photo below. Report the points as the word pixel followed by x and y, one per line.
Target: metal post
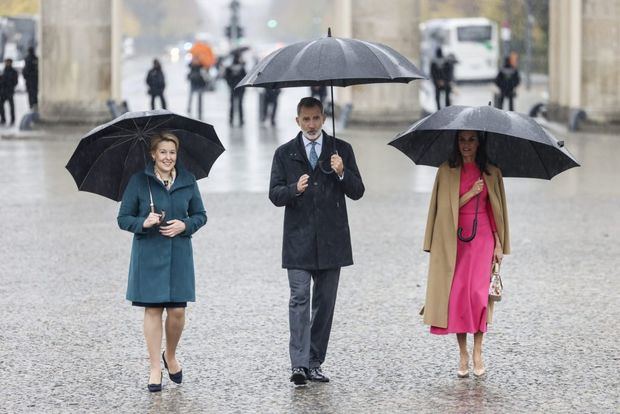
pixel 528 44
pixel 234 23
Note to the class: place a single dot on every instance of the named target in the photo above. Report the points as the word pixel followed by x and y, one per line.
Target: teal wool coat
pixel 161 268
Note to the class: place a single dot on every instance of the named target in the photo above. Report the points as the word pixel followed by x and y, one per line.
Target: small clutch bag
pixel 496 288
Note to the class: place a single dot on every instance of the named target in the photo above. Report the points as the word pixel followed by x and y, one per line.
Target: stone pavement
pixel 70 342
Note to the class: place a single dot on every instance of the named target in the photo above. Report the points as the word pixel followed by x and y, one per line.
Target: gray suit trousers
pixel 310 335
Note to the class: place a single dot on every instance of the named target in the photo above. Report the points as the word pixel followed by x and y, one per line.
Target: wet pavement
pixel 71 343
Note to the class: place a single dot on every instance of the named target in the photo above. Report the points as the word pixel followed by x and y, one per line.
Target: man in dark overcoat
pixel 31 76
pixel 7 90
pixel 310 177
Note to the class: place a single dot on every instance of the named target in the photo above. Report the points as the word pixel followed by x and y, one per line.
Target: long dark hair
pixel 482 161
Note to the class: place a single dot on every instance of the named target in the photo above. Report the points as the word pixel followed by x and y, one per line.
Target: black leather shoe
pixel 156 387
pixel 315 374
pixel 298 377
pixel 176 377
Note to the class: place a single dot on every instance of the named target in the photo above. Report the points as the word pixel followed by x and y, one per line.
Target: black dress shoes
pixel 155 387
pixel 176 377
pixel 315 374
pixel 298 377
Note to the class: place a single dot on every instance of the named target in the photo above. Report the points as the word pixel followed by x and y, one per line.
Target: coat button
pixel 315 183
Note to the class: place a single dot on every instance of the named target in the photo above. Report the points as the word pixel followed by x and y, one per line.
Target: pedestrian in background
pixel 270 105
pixel 161 270
pixel 442 75
pixel 31 76
pixel 156 83
pixel 507 80
pixel 233 75
pixel 310 177
pixel 457 296
pixel 7 90
pixel 319 92
pixel 197 85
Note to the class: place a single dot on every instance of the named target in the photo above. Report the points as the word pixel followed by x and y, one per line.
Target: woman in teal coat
pixel 161 270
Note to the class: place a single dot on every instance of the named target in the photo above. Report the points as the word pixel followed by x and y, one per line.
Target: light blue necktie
pixel 313 158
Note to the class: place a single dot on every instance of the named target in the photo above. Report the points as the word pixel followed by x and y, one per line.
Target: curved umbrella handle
pixel 459 233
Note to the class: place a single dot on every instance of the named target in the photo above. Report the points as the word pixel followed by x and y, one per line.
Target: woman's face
pixel 165 156
pixel 468 144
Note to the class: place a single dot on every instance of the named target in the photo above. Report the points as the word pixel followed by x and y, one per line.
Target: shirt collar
pixel 307 142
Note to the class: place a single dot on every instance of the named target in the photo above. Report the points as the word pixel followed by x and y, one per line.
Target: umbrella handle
pixel 459 233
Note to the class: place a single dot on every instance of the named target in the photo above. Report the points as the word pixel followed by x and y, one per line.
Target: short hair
pixel 309 102
pixel 162 137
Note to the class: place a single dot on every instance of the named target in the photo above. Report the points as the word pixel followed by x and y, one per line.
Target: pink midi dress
pixel 469 294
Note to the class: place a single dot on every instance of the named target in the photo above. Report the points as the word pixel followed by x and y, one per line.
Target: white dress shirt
pixel 317 147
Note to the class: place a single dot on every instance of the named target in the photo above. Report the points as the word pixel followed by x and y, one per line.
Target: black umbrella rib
pixel 128 152
pixel 371 49
pixel 132 135
pixel 157 125
pixel 148 121
pixel 431 142
pixel 116 144
pixel 540 159
pixel 124 129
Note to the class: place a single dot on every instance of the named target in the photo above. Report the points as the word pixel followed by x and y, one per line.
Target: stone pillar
pixel 584 59
pixel 76 64
pixel 395 26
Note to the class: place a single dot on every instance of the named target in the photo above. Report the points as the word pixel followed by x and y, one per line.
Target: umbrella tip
pixel 329 32
pixel 560 144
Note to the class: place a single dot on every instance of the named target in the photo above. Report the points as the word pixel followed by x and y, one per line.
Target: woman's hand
pixel 477 187
pixel 151 220
pixel 498 254
pixel 172 228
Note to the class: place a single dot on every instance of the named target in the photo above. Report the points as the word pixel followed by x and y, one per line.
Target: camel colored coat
pixel 440 238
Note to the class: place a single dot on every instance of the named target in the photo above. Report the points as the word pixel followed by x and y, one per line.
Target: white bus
pixel 473 42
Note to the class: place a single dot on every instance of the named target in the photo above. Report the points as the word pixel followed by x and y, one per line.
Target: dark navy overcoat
pixel 316 225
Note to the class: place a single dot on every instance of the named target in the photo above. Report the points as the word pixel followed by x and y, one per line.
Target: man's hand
pixel 337 165
pixel 302 184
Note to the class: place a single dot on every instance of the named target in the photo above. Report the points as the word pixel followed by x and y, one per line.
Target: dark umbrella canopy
pixel 516 143
pixel 111 153
pixel 331 61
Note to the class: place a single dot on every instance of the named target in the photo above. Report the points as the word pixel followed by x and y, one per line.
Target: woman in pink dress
pixel 459 273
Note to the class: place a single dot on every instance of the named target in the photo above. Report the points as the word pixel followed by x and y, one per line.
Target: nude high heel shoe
pixel 463 371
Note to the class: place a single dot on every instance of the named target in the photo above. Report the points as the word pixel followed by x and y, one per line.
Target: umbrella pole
pixel 331 90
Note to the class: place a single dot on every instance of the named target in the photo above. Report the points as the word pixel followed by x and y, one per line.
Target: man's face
pixel 310 120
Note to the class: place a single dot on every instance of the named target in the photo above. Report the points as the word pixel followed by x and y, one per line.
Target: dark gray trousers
pixel 310 335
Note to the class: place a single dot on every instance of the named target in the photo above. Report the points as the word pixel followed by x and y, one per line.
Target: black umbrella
pixel 110 154
pixel 331 61
pixel 516 143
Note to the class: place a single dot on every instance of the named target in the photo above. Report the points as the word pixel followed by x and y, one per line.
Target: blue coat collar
pixel 184 178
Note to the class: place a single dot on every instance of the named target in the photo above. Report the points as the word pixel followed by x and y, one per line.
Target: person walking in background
pixel 319 92
pixel 270 105
pixel 197 86
pixel 467 186
pixel 161 270
pixel 31 76
pixel 442 75
pixel 156 83
pixel 7 90
pixel 233 75
pixel 507 80
pixel 310 177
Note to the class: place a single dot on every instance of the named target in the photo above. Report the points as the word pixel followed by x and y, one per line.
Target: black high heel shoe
pixel 156 387
pixel 177 377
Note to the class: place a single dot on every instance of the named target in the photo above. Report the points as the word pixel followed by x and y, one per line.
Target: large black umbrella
pixel 331 61
pixel 110 154
pixel 516 143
